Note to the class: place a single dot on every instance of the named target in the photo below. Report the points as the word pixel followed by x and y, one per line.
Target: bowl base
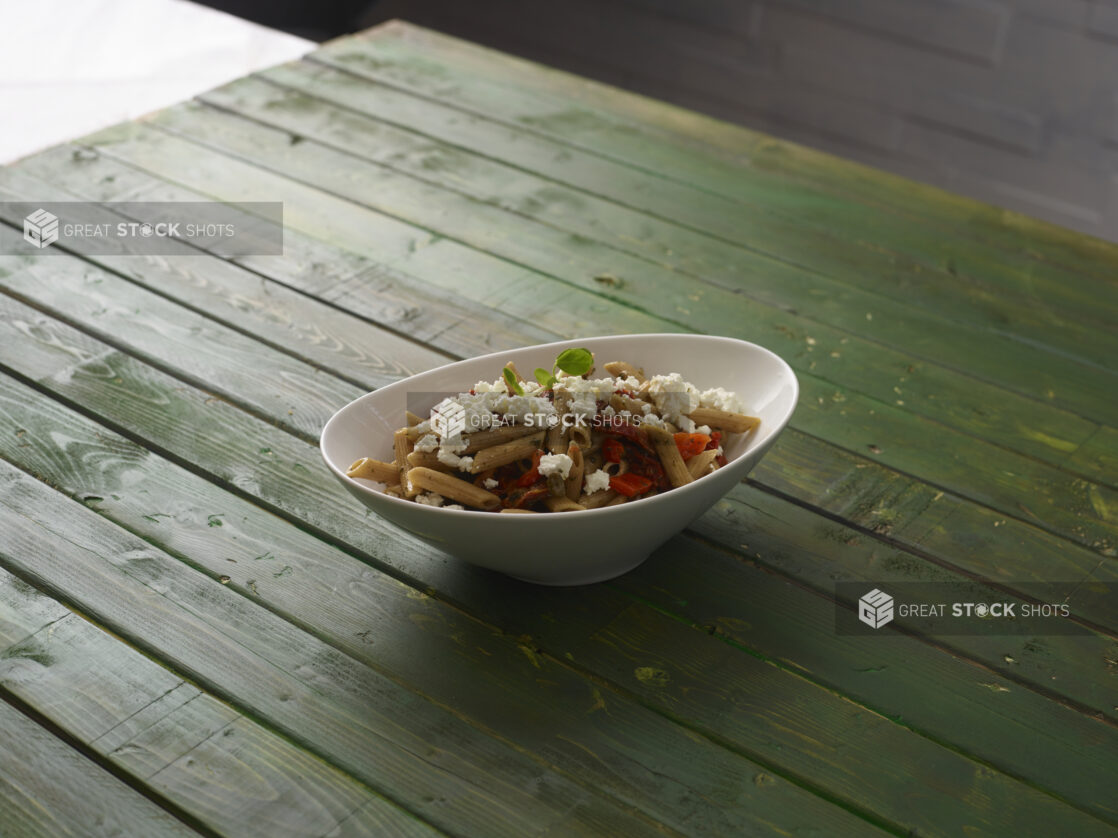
pixel 599 575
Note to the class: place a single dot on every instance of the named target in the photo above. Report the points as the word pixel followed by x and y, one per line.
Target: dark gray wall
pixel 1014 102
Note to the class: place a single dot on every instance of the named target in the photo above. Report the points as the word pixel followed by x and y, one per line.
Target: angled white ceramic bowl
pixel 573 548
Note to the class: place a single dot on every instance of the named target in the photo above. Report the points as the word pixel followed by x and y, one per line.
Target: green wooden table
pixel 201 633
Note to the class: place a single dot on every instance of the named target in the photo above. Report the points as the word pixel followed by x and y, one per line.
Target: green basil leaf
pixel 575 361
pixel 545 378
pixel 510 379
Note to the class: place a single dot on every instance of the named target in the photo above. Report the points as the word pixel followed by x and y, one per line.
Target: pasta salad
pixel 563 442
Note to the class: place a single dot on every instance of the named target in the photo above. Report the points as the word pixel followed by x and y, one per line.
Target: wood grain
pixel 47 789
pixel 225 770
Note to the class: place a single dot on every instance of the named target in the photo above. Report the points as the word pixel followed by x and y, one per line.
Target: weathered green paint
pixel 47 789
pixel 221 768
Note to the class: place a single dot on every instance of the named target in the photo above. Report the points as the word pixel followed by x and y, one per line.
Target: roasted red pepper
pixel 612 450
pixel 630 484
pixel 691 444
pixel 533 474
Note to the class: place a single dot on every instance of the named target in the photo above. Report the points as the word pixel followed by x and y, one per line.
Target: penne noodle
pixel 557 436
pixel 616 501
pixel 580 436
pixel 369 469
pixel 403 446
pixel 427 459
pixel 412 418
pixel 619 403
pixel 556 485
pixel 697 465
pixel 452 487
pixel 506 452
pixel 724 420
pixel 519 512
pixel 622 369
pixel 562 504
pixel 485 439
pixel 600 498
pixel 642 393
pixel 574 479
pixel 670 458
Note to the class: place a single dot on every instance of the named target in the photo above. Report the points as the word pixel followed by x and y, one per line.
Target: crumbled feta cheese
pixel 720 399
pixel 555 464
pixel 454 506
pixel 490 483
pixel 448 458
pixel 596 481
pixel 686 424
pixel 427 442
pixel 454 444
pixel 646 408
pixel 703 429
pixel 651 420
pixel 630 383
pixel 673 396
pixel 429 499
pixel 376 485
pixel 423 427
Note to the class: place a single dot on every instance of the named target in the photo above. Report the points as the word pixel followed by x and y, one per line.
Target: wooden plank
pixel 48 789
pixel 421 755
pixel 708 152
pixel 202 350
pixel 556 638
pixel 281 307
pixel 965 705
pixel 744 703
pixel 225 770
pixel 975 469
pixel 635 211
pixel 636 756
pixel 582 262
pixel 440 262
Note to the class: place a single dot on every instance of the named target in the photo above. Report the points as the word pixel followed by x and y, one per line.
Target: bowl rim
pixel 642 503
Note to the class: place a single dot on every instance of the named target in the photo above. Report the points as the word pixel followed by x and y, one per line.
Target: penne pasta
pixel 619 403
pixel 562 504
pixel 698 465
pixel 623 369
pixel 598 499
pixel 574 478
pixel 369 469
pixel 506 452
pixel 427 459
pixel 620 424
pixel 488 438
pixel 519 512
pixel 557 434
pixel 724 420
pixel 403 446
pixel 452 487
pixel 670 458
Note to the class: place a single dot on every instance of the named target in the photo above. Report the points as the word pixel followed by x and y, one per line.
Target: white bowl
pixel 571 548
